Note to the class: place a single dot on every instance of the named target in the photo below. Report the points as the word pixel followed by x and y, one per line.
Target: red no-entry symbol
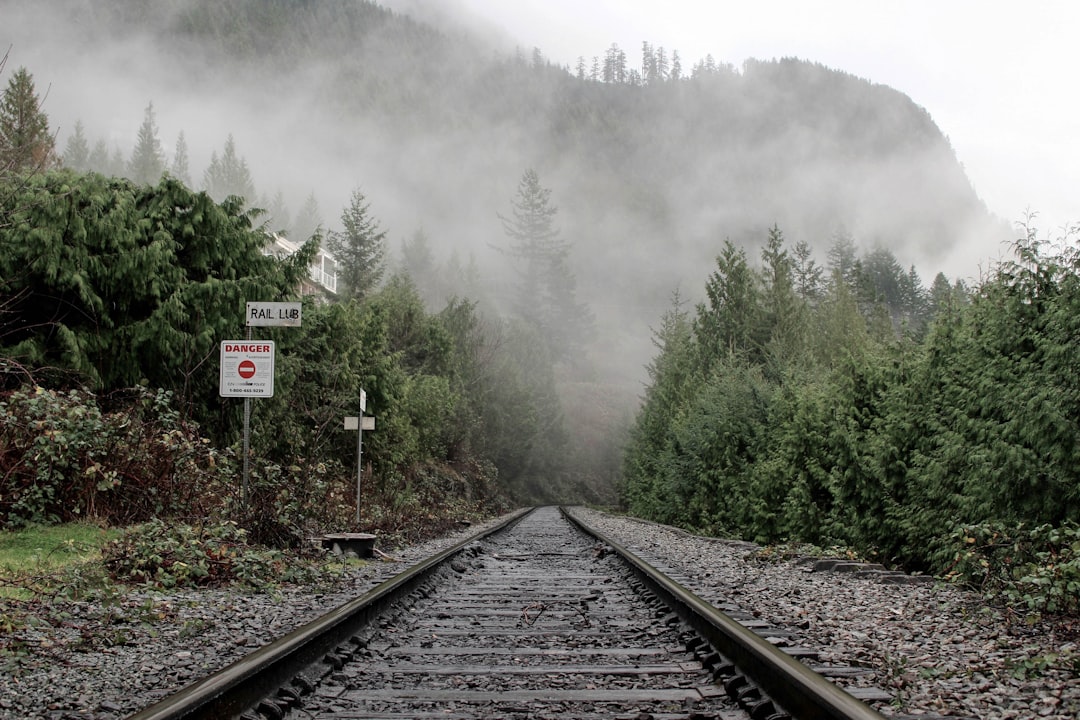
pixel 246 369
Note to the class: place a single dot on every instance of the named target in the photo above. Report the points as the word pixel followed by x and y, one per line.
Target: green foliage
pixel 228 176
pixel 713 449
pixel 63 458
pixel 25 140
pixel 359 249
pixel 128 284
pixel 171 555
pixel 147 159
pixel 866 433
pixel 1033 567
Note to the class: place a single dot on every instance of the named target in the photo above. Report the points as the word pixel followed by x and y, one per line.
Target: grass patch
pixel 36 558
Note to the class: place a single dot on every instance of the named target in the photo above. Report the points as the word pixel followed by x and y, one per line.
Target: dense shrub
pixel 1035 567
pixel 205 555
pixel 62 457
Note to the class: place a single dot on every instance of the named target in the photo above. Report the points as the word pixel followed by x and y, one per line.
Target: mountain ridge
pixel 649 179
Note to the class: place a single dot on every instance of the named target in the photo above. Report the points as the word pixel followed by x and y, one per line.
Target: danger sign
pixel 247 368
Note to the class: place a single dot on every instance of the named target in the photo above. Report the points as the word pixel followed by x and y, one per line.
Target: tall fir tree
pixel 277 213
pixel 359 249
pixel 99 158
pixel 308 221
pixel 547 294
pixel 228 175
pixel 77 150
pixel 147 162
pixel 25 140
pixel 180 168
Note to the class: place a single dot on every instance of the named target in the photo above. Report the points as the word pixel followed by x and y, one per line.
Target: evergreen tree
pixel 730 323
pixel 782 314
pixel 77 150
pixel 25 140
pixel 228 175
pixel 809 283
pixel 99 158
pixel 116 166
pixel 843 259
pixel 124 283
pixel 418 263
pixel 147 159
pixel 180 168
pixel 277 214
pixel 672 382
pixel 358 250
pixel 547 293
pixel 308 221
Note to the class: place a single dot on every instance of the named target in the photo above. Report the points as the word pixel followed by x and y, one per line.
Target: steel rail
pixel 241 686
pixel 802 693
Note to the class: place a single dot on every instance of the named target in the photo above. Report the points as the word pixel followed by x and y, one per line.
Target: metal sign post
pixel 360 424
pixel 247 367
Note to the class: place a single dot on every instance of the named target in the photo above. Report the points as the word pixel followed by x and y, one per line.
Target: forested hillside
pixel 651 164
pixel 509 232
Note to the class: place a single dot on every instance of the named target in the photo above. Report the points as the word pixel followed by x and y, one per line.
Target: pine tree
pixel 308 221
pixel 277 214
pixel 418 263
pixel 358 250
pixel 180 168
pixel 25 140
pixel 147 162
pixel 782 315
pixel 729 324
pixel 547 294
pixel 99 158
pixel 843 259
pixel 809 283
pixel 228 175
pixel 77 150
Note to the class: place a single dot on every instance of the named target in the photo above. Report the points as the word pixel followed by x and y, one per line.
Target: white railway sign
pixel 263 314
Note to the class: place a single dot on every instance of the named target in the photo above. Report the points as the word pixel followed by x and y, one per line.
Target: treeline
pixel 843 405
pixel 114 298
pixel 109 286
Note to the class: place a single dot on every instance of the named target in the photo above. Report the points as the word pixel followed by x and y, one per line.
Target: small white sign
pixel 263 314
pixel 363 401
pixel 247 368
pixel 355 423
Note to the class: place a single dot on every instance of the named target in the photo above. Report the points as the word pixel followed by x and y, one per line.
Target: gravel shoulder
pixel 938 650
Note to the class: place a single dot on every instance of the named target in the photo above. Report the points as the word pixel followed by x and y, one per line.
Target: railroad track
pixel 539 618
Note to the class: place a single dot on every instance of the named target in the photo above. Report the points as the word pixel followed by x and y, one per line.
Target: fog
pixel 645 225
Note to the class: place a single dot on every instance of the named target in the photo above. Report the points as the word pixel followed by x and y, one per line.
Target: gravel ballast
pixel 937 650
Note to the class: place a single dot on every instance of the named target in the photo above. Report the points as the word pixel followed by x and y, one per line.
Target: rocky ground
pixel 937 650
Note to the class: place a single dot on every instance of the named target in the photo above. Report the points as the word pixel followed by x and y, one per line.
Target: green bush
pixel 208 555
pixel 64 458
pixel 1037 568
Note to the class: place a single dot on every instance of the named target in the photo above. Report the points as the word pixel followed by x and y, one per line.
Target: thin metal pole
pixel 359 463
pixel 247 440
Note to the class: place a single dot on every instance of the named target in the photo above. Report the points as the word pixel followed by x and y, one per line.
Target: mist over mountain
pixel 650 171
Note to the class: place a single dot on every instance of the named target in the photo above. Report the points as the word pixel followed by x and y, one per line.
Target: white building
pixel 323 272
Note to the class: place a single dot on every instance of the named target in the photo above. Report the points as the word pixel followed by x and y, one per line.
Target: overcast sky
pixel 998 77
